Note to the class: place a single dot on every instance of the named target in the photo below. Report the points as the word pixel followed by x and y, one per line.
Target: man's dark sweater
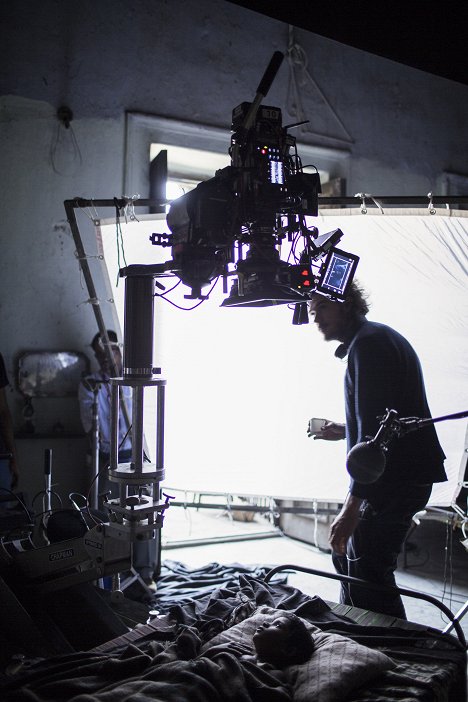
pixel 383 373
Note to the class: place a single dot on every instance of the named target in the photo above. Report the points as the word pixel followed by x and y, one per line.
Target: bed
pixel 185 652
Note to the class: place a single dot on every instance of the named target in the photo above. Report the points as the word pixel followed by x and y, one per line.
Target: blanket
pixel 353 662
pixel 153 671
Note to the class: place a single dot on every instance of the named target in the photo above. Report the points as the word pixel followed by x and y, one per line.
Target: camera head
pixel 235 223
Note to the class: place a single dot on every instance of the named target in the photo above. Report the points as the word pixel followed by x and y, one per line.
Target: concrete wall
pixel 397 129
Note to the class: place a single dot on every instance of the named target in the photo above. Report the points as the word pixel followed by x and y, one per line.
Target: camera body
pixel 234 223
pixel 270 179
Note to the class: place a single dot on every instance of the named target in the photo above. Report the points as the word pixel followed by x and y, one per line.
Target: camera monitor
pixel 337 273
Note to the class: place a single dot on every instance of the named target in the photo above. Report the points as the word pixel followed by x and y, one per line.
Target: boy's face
pixel 271 638
pixel 102 359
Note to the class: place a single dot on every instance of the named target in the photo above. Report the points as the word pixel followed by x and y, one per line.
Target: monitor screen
pixel 337 273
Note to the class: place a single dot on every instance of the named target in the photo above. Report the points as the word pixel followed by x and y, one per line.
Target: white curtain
pixel 242 383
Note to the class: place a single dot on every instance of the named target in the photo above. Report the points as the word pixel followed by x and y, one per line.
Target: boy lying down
pixel 279 641
pixel 272 667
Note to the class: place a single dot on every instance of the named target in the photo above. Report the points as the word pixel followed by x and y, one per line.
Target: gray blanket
pixel 152 672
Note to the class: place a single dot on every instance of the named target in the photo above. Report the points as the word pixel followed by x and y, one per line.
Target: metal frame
pixel 359 200
pixel 454 618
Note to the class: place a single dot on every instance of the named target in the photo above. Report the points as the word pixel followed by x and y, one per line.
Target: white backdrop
pixel 242 383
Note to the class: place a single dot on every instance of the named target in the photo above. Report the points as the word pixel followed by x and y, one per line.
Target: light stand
pixel 95 456
pixel 94 386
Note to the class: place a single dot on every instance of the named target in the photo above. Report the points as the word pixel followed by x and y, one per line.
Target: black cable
pixel 189 309
pixel 45 492
pixel 119 239
pixel 448 564
pixel 421 563
pixel 96 477
pixel 101 470
pixel 19 500
pixel 166 292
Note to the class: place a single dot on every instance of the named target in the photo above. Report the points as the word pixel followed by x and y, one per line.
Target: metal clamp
pixel 430 207
pixel 363 202
pixel 363 197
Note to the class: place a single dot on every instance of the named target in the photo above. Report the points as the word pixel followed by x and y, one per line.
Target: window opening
pixel 185 167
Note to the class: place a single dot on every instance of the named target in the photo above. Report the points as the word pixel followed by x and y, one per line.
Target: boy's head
pixel 283 640
pixel 98 346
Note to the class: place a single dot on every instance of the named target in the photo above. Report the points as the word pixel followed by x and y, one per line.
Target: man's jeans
pixel 373 549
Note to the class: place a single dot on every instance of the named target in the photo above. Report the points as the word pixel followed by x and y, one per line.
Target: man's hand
pixel 344 524
pixel 329 431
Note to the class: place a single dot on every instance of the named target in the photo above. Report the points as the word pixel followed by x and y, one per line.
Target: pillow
pixel 337 665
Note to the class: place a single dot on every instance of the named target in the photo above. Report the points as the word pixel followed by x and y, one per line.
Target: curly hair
pixel 300 640
pixel 357 299
pixel 97 339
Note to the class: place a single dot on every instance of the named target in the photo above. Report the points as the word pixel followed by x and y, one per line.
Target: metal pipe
pixel 378 588
pixel 70 206
pixel 48 479
pixel 114 420
pixel 138 327
pixel 459 615
pixel 256 508
pixel 137 428
pixel 160 404
pixel 95 445
pixel 254 536
pixel 349 200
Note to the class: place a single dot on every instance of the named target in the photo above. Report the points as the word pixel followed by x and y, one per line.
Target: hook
pixel 90 211
pixel 377 204
pixel 131 207
pixel 430 206
pixel 363 202
pixel 65 116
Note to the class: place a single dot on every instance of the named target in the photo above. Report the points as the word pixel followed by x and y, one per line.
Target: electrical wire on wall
pixel 119 240
pixel 65 155
pixel 301 82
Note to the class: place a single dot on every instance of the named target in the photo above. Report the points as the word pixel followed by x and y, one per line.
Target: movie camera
pixel 235 223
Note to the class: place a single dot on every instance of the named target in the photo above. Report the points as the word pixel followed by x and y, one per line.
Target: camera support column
pixel 135 516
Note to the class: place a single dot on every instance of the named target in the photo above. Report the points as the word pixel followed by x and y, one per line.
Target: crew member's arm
pixel 85 401
pixel 344 524
pixel 6 428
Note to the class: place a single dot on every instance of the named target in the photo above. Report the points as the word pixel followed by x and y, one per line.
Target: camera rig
pixel 235 223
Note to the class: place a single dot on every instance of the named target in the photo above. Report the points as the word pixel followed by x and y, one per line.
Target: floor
pixel 435 563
